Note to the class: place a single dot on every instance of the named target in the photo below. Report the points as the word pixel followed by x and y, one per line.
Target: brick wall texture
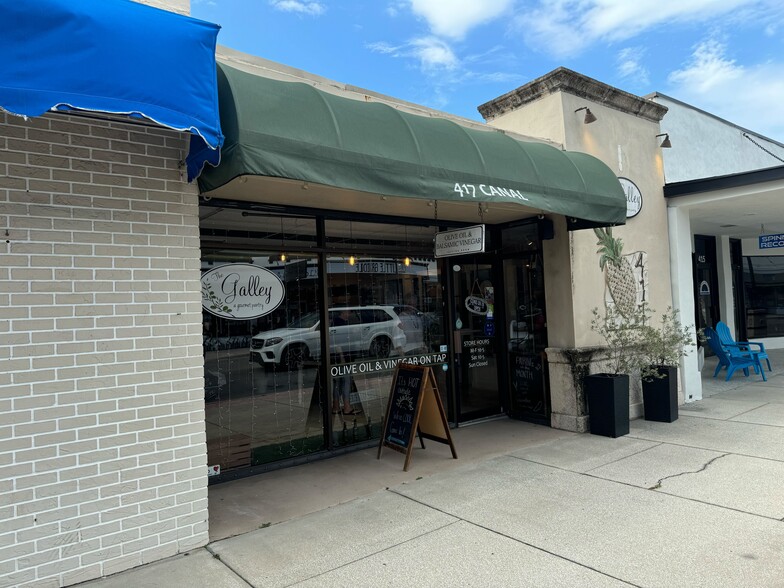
pixel 102 432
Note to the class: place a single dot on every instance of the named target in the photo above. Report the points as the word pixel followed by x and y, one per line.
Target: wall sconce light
pixel 352 260
pixel 589 116
pixel 407 261
pixel 665 144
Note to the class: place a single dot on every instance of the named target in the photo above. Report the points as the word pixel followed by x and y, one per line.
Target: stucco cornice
pixel 571 82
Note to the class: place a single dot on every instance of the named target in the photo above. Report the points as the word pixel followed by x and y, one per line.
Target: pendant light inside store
pixel 282 251
pixel 407 259
pixel 351 259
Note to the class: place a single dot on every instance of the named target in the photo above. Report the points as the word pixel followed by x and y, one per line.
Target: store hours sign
pixel 241 291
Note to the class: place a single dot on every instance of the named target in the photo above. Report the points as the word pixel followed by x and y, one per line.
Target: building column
pixel 724 274
pixel 682 280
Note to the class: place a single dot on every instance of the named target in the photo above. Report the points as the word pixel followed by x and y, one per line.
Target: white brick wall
pixel 102 433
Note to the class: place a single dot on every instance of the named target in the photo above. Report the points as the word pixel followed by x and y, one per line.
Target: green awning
pixel 293 130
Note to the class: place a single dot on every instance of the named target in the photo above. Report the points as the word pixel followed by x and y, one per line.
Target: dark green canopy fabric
pixel 292 130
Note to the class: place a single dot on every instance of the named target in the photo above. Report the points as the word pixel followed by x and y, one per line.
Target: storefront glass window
pixel 763 280
pixel 260 330
pixel 385 306
pixel 270 393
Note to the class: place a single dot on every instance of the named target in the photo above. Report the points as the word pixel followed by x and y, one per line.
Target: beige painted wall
pixel 573 280
pixel 542 119
pixel 627 144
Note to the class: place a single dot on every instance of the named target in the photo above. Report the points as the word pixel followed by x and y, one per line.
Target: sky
pixel 723 56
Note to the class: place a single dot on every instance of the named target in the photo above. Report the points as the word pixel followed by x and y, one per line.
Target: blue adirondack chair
pixel 732 362
pixel 740 347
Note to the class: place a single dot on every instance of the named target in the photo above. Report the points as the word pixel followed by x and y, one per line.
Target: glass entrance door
pixel 476 337
pixel 706 284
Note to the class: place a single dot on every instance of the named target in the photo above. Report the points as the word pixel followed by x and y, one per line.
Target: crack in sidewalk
pixel 217 557
pixel 538 548
pixel 702 469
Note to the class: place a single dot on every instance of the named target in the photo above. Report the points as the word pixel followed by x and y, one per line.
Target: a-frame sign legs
pixel 414 407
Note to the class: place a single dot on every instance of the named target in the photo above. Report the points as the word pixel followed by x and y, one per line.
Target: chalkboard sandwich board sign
pixel 414 407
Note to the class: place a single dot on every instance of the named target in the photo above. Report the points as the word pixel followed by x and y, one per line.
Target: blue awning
pixel 116 57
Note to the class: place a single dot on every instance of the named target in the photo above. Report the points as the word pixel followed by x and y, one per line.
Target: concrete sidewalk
pixel 698 502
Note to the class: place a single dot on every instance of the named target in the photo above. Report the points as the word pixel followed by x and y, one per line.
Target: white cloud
pixel 617 19
pixel 750 96
pixel 311 8
pixel 454 18
pixel 565 27
pixel 443 71
pixel 707 69
pixel 629 65
pixel 383 47
pixel 498 77
pixel 432 54
pixel 396 7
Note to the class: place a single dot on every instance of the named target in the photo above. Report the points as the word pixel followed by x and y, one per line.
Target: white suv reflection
pixel 355 330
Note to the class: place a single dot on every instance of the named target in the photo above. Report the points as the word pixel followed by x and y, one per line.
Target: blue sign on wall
pixel 771 241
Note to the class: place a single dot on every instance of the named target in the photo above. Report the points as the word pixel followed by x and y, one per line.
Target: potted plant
pixel 607 393
pixel 662 347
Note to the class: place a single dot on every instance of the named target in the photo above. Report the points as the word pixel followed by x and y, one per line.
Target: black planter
pixel 660 396
pixel 608 404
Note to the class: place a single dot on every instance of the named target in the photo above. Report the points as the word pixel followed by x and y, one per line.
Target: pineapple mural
pixel 618 272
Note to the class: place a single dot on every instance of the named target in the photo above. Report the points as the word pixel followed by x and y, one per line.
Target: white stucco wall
pixel 706 146
pixel 681 247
